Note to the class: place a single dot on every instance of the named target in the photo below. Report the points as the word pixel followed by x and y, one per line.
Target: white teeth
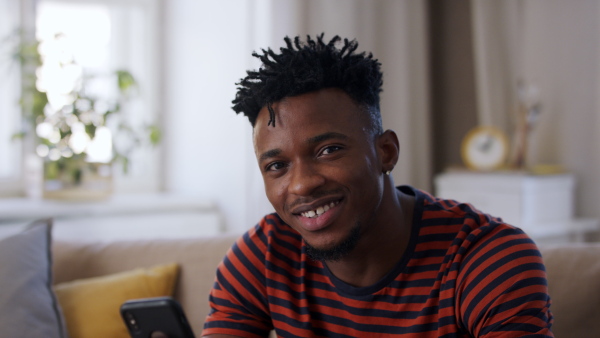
pixel 319 211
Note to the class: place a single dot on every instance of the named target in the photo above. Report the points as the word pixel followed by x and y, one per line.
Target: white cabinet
pixel 542 205
pixel 121 217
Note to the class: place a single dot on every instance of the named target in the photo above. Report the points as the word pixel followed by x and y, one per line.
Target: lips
pixel 318 217
pixel 319 210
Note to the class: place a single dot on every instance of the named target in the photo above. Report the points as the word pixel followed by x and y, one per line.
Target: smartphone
pixel 159 317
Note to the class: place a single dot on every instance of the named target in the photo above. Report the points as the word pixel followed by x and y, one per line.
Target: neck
pixel 382 243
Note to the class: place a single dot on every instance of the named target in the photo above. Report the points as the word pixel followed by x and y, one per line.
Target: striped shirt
pixel 464 274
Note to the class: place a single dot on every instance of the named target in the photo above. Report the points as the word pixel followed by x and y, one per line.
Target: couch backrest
pixel 573 274
pixel 198 259
pixel 574 285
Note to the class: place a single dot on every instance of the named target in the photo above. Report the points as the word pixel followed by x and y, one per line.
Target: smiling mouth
pixel 319 210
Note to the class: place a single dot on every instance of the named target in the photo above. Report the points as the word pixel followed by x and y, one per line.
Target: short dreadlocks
pixel 305 67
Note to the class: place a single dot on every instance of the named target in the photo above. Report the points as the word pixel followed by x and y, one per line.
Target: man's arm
pixel 238 299
pixel 503 288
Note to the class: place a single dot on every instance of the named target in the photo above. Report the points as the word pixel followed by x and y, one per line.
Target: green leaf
pixel 18 136
pixel 125 165
pixel 51 170
pixel 126 80
pixel 77 175
pixel 155 135
pixel 90 129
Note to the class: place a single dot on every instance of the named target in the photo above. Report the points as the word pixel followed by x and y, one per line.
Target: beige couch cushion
pixel 574 285
pixel 197 258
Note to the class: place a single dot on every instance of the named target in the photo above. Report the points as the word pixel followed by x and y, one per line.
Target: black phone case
pixel 146 317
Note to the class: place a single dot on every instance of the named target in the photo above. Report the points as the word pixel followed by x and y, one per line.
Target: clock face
pixel 484 148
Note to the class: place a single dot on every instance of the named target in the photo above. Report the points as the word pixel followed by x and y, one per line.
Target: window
pixel 102 36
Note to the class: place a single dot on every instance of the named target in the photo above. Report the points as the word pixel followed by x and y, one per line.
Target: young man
pixel 348 254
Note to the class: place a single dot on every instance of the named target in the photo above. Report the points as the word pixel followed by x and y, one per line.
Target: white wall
pixel 207 145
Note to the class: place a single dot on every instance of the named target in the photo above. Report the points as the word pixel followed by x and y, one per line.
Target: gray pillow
pixel 28 306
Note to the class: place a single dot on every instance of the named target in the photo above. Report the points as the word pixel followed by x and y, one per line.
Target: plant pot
pixel 84 182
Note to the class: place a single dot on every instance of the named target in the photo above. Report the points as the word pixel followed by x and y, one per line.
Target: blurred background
pixel 449 66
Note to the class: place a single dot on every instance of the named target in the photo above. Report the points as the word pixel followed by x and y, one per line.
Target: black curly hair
pixel 303 67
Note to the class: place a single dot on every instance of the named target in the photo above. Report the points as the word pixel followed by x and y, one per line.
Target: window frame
pixel 14 14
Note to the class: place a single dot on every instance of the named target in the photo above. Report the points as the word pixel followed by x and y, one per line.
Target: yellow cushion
pixel 91 306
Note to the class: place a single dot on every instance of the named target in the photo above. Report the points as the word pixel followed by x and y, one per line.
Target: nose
pixel 304 179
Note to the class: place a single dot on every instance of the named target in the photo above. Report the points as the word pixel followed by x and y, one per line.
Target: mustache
pixel 315 196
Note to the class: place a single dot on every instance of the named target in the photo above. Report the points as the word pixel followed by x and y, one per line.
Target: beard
pixel 337 252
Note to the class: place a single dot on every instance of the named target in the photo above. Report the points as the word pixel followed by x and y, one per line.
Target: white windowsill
pixel 121 217
pixel 15 209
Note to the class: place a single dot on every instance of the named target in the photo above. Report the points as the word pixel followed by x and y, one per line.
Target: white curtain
pixel 496 34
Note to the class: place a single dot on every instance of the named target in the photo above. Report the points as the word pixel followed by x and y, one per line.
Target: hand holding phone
pixel 159 317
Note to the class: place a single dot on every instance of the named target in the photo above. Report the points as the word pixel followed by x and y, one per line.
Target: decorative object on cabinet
pixel 485 148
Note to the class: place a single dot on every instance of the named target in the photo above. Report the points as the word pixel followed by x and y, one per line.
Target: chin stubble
pixel 337 252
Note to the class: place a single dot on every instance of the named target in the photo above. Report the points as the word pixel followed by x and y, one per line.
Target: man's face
pixel 321 166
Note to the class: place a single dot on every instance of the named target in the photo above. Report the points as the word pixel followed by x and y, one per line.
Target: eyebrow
pixel 313 140
pixel 268 154
pixel 326 136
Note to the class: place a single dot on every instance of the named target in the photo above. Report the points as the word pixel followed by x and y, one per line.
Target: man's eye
pixel 275 166
pixel 330 149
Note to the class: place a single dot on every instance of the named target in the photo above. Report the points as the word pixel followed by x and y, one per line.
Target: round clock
pixel 484 148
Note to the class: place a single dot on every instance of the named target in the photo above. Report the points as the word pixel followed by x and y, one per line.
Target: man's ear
pixel 389 150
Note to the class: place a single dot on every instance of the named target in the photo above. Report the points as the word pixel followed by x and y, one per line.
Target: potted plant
pixel 76 130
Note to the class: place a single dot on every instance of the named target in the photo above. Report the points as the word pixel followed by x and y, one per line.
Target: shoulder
pixel 494 269
pixel 465 230
pixel 435 211
pixel 440 208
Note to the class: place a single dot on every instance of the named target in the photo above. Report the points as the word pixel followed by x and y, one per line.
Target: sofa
pixel 44 281
pixel 573 274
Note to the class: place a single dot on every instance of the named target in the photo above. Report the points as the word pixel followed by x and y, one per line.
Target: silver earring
pixel 388 172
